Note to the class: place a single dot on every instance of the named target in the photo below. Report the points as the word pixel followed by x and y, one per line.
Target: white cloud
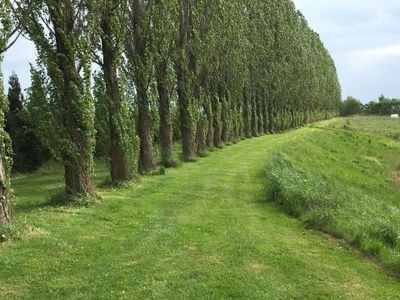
pixel 363 37
pixel 17 59
pixel 382 52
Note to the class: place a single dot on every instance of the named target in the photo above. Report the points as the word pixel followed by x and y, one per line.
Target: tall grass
pixel 343 201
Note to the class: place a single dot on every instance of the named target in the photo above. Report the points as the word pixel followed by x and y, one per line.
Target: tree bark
pixel 78 170
pixel 165 115
pixel 77 181
pixel 121 165
pixel 265 114
pixel 246 115
pixel 200 136
pixel 184 88
pixel 138 55
pixel 188 150
pixel 260 117
pixel 5 211
pixel 225 120
pixel 210 127
pixel 146 156
pixel 217 122
pixel 254 119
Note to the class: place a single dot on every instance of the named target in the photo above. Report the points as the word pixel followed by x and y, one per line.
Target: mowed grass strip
pixel 204 230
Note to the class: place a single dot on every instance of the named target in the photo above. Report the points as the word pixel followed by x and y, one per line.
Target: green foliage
pixel 5 141
pixel 6 25
pixel 384 106
pixel 28 152
pixel 6 28
pixel 62 85
pixel 101 117
pixel 351 106
pixel 15 97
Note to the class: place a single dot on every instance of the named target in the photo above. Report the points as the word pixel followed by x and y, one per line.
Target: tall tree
pixel 15 97
pixel 28 151
pixel 184 65
pixel 164 16
pixel 5 154
pixel 7 30
pixel 59 30
pixel 140 57
pixel 15 123
pixel 111 35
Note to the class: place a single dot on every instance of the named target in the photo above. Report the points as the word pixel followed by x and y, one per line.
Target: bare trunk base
pixel 200 137
pixel 5 212
pixel 165 116
pixel 146 157
pixel 121 166
pixel 77 182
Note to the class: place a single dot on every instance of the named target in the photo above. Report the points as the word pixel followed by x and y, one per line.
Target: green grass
pixel 345 183
pixel 378 126
pixel 204 230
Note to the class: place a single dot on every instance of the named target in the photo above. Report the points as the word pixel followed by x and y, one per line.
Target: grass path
pixel 203 230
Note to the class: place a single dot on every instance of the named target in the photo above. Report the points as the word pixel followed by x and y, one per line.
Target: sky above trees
pixel 363 37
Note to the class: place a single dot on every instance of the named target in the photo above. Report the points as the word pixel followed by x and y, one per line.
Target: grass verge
pixel 345 184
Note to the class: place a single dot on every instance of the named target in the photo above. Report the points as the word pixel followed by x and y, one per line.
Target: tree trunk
pixel 225 121
pixel 235 127
pixel 254 119
pixel 209 119
pixel 184 88
pixel 121 165
pixel 5 211
pixel 79 125
pixel 217 122
pixel 246 116
pixel 77 181
pixel 265 114
pixel 270 119
pixel 260 117
pixel 165 115
pixel 188 149
pixel 200 136
pixel 146 156
pixel 138 54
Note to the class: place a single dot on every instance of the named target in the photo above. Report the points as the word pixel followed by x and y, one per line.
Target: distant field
pixel 344 178
pixel 381 126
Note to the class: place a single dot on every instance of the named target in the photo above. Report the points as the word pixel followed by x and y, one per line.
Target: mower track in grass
pixel 204 230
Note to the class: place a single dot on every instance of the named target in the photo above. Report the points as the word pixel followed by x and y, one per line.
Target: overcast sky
pixel 363 37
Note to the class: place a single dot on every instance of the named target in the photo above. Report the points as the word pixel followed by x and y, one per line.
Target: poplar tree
pixel 184 67
pixel 140 61
pixel 109 33
pixel 60 30
pixel 164 16
pixel 7 31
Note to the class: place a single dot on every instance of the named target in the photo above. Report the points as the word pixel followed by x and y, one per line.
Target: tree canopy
pixel 199 73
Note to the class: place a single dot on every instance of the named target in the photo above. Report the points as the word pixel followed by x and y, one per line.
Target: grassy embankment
pixel 344 179
pixel 203 230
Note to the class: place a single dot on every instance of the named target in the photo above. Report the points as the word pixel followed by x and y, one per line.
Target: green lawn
pixel 204 230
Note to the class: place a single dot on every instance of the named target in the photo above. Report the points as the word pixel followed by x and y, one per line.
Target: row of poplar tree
pixel 229 69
